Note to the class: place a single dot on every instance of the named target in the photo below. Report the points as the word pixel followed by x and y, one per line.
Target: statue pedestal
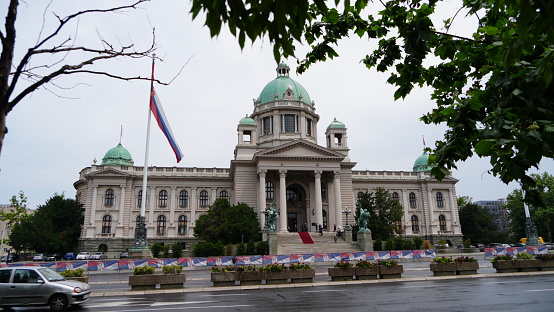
pixel 365 241
pixel 347 235
pixel 140 253
pixel 272 242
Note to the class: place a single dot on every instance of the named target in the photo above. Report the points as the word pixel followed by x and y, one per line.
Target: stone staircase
pixel 290 243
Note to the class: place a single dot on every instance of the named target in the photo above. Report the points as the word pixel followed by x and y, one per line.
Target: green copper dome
pixel 422 163
pixel 246 121
pixel 277 89
pixel 336 124
pixel 118 155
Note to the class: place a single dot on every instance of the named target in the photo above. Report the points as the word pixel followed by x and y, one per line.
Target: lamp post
pixel 347 212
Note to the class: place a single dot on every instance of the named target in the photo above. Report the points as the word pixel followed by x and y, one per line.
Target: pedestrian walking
pixel 335 238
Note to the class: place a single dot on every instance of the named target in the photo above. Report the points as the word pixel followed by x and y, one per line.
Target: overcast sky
pixel 58 131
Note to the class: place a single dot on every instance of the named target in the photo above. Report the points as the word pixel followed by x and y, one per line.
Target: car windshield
pixel 51 275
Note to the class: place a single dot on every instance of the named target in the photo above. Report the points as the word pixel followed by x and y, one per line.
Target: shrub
pixel 418 241
pixel 73 273
pixel 343 264
pixel 177 250
pixel 378 245
pixel 228 268
pixel 300 266
pixel 241 249
pixel 144 270
pixel 156 249
pixel 408 245
pixel 442 260
pixel 442 244
pixel 389 244
pixel 364 264
pixel 524 256
pixel 426 244
pixel 388 263
pixel 398 243
pixel 172 269
pixel 467 243
pixel 250 248
pixel 262 248
pixel 208 249
pixel 166 249
pixel 229 249
pixel 246 268
pixel 273 267
pixel 502 257
pixel 546 257
pixel 465 259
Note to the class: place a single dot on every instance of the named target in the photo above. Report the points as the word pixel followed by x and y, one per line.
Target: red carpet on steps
pixel 306 238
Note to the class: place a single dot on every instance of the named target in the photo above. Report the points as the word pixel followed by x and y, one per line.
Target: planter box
pixel 83 279
pixel 342 274
pixel 366 273
pixel 302 276
pixel 386 272
pixel 143 282
pixel 546 265
pixel 529 265
pixel 466 268
pixel 277 277
pixel 251 277
pixel 224 278
pixel 171 281
pixel 506 266
pixel 443 269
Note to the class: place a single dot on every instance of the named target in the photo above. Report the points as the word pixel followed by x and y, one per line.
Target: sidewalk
pixel 198 279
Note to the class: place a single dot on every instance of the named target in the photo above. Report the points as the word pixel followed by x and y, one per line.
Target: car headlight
pixel 77 290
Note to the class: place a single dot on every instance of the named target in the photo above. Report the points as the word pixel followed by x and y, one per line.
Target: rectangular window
pixel 266 124
pixel 289 123
pixel 309 127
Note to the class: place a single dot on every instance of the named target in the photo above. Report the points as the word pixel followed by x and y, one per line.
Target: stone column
pixel 151 204
pixel 193 204
pixel 172 203
pixel 214 196
pixel 431 213
pixel 91 231
pixel 283 201
pixel 318 203
pixel 261 197
pixel 119 228
pixel 338 199
pixel 452 212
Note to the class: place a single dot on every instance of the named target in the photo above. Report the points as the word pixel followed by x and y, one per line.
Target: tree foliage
pixel 384 213
pixel 54 55
pixel 494 89
pixel 542 216
pixel 478 225
pixel 228 223
pixel 54 227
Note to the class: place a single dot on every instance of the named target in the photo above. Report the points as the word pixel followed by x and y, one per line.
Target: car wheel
pixel 58 303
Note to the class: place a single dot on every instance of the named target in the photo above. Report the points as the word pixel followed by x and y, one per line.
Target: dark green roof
pixel 422 163
pixel 277 88
pixel 246 121
pixel 118 156
pixel 336 124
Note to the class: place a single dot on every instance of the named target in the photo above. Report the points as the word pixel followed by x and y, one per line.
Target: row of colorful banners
pixel 513 251
pixel 239 260
pixel 269 259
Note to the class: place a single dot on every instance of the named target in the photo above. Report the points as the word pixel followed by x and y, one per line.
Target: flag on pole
pixel 158 112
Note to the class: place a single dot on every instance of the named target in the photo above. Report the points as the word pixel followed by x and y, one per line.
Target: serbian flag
pixel 158 112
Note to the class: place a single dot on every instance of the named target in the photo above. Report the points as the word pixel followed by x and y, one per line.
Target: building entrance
pixel 292 222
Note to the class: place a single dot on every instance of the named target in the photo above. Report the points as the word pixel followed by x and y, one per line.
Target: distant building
pixel 5 228
pixel 498 213
pixel 277 159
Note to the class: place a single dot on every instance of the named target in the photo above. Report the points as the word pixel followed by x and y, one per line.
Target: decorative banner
pixel 330 257
pixel 96 265
pixel 249 260
pixel 402 254
pixel 186 262
pixel 170 261
pixel 157 263
pixel 352 256
pixel 280 259
pixel 377 255
pixel 111 264
pixel 197 262
pixel 307 258
pixel 213 261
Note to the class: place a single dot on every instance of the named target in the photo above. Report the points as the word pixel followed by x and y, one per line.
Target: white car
pixel 22 286
pixel 98 256
pixel 83 256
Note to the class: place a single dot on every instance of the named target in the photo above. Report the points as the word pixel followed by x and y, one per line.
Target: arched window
pixel 293 195
pixel 323 192
pixel 183 199
pixel 224 195
pixel 412 198
pixel 109 198
pixel 160 226
pixel 269 190
pixel 360 195
pixel 415 223
pixel 442 223
pixel 203 198
pixel 440 202
pixel 139 198
pixel 106 224
pixel 162 198
pixel 182 225
pixel 395 196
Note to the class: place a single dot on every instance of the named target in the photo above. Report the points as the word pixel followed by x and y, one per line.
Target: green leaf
pixel 484 147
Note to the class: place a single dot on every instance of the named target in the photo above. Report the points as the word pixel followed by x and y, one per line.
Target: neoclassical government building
pixel 277 159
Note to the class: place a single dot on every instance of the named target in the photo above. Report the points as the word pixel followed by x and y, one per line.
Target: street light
pixel 347 212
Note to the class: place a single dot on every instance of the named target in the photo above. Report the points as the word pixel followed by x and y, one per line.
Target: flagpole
pixel 141 230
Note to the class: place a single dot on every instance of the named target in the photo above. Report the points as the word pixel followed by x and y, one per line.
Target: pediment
pixel 299 149
pixel 108 172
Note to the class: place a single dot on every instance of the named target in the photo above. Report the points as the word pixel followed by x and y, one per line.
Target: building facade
pixel 499 215
pixel 276 160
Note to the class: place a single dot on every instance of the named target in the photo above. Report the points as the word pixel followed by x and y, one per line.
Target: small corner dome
pixel 277 89
pixel 422 163
pixel 246 121
pixel 118 155
pixel 336 124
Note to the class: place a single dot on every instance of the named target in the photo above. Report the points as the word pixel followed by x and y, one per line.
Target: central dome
pixel 118 155
pixel 278 88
